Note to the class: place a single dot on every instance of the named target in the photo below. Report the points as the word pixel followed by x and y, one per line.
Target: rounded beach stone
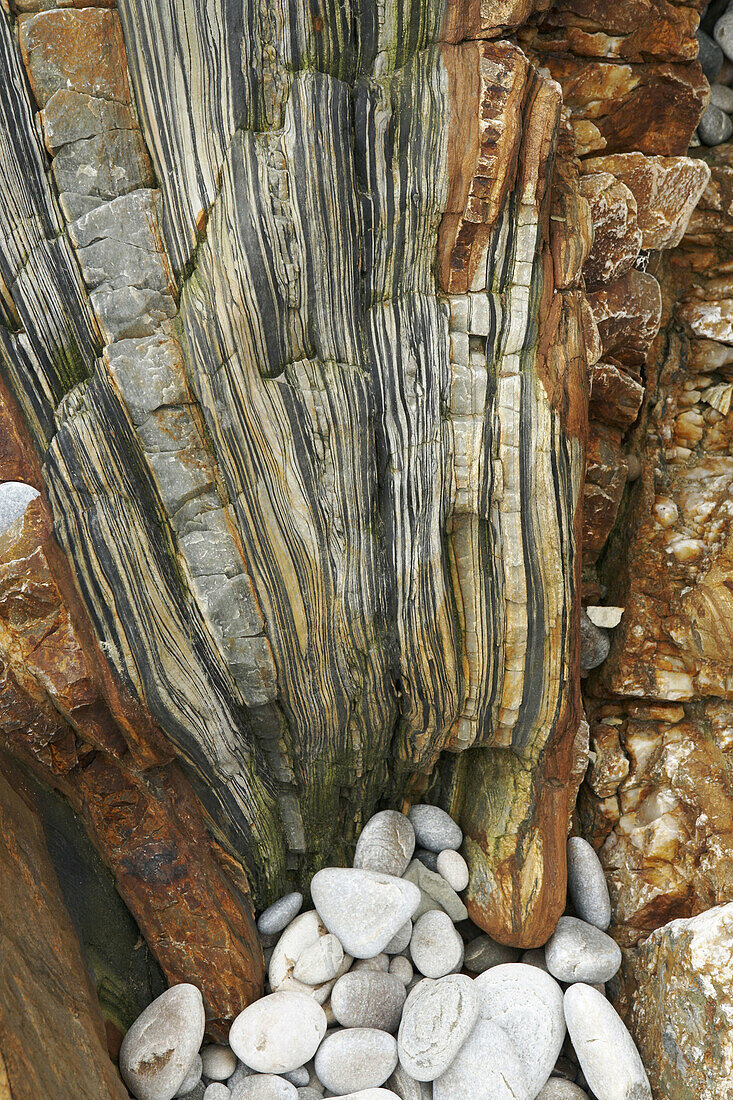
pixel 299 1077
pixel 401 940
pixel 309 1094
pixel 535 957
pixel 196 1093
pixel 434 828
pixel 368 999
pixel 370 1094
pixel 723 35
pixel 239 1074
pixel 486 1067
pixel 217 1091
pixel 298 937
pixel 714 127
pixel 559 1089
pixel 454 869
pixel 482 953
pixel 280 914
pixel 430 859
pixel 587 884
pixel 722 96
pixel 264 1086
pixel 279 1032
pixel 192 1078
pixel 363 908
pixel 377 962
pixel 356 1058
pixel 527 1004
pixel 710 55
pixel 320 962
pixel 606 1052
pixel 218 1062
pixel 386 843
pixel 595 643
pixel 435 947
pixel 435 893
pixel 401 968
pixel 579 952
pixel 437 1019
pixel 158 1050
pixel 406 1087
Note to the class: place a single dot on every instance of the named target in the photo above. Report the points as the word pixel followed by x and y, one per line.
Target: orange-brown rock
pixel 52 1040
pixel 628 312
pixel 605 480
pixel 615 397
pixel 616 233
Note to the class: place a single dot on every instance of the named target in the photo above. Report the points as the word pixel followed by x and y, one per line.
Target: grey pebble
pixel 406 1087
pixel 356 1058
pixel 15 496
pixel 196 1093
pixel 279 915
pixel 595 643
pixel 401 968
pixel 486 1067
pixel 438 1018
pixel 309 1094
pixel 722 96
pixel 401 940
pixel 606 1052
pixel 559 1089
pixel 192 1078
pixel 710 55
pixel 369 999
pixel 436 948
pixel 386 843
pixel 169 1032
pixel 264 1086
pixel 579 952
pixel 299 1077
pixel 434 828
pixel 435 892
pixel 535 957
pixel 723 35
pixel 239 1074
pixel 218 1062
pixel 714 127
pixel 217 1091
pixel 482 953
pixel 587 886
pixel 365 909
pixel 377 962
pixel 429 859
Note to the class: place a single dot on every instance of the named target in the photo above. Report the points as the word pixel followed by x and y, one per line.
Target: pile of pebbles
pixel 715 55
pixel 387 991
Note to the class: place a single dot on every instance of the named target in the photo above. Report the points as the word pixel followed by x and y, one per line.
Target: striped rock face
pixel 297 328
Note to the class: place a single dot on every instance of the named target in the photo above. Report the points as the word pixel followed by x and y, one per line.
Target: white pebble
pixel 401 968
pixel 386 843
pixel 454 869
pixel 167 1035
pixel 365 909
pixel 606 1052
pixel 356 1058
pixel 218 1062
pixel 436 947
pixel 278 1033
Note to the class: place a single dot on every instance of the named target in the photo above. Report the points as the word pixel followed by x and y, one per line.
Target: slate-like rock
pixel 436 948
pixel 278 1033
pixel 587 886
pixel 606 1052
pixel 386 843
pixel 158 1049
pixel 527 1004
pixel 363 908
pixel 434 828
pixel 435 892
pixel 487 1067
pixel 368 998
pixel 437 1019
pixel 580 952
pixel 356 1058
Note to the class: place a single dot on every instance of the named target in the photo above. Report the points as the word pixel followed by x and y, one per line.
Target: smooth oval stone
pixel 218 1062
pixel 723 34
pixel 279 915
pixel 435 947
pixel 196 1093
pixel 595 643
pixel 722 96
pixel 486 1068
pixel 301 934
pixel 158 1050
pixel 606 1052
pixel 386 843
pixel 192 1078
pixel 217 1091
pixel 436 890
pixel 482 953
pixel 278 1033
pixel 370 1094
pixel 434 828
pixel 527 1004
pixel 402 969
pixel 430 859
pixel 309 1094
pixel 710 55
pixel 454 869
pixel 363 908
pixel 535 957
pixel 377 962
pixel 320 962
pixel 401 940
pixel 356 1058
pixel 587 884
pixel 714 127
pixel 437 1019
pixel 239 1074
pixel 406 1087
pixel 299 1077
pixel 264 1086
pixel 559 1089
pixel 579 952
pixel 368 998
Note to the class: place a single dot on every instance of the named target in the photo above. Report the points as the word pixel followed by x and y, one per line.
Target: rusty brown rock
pixel 628 312
pixel 616 233
pixel 51 1033
pixel 605 481
pixel 615 397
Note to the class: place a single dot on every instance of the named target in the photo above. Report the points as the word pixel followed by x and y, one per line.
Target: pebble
pixel 535 957
pixel 714 127
pixel 370 1094
pixel 280 914
pixel 722 96
pixel 369 998
pixel 299 1077
pixel 278 1033
pixel 401 940
pixel 579 952
pixel 710 55
pixel 356 1058
pixel 430 859
pixel 559 1089
pixel 402 969
pixel 528 1005
pixel 486 1068
pixel 218 1062
pixel 217 1091
pixel 607 1054
pixel 435 947
pixel 406 1087
pixel 587 886
pixel 595 643
pixel 435 892
pixel 158 1050
pixel 298 937
pixel 192 1078
pixel 309 1094
pixel 320 962
pixel 196 1093
pixel 437 1019
pixel 377 962
pixel 434 828
pixel 365 909
pixel 723 35
pixel 239 1074
pixel 264 1086
pixel 482 953
pixel 386 843
pixel 454 869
